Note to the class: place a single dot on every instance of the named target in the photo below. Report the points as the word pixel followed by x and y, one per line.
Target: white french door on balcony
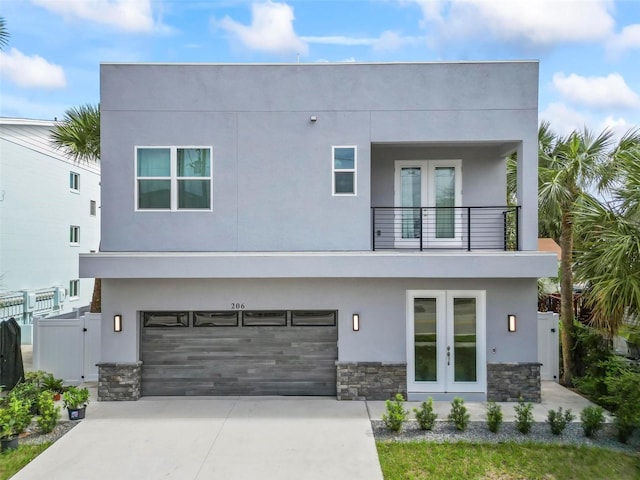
pixel 421 185
pixel 446 341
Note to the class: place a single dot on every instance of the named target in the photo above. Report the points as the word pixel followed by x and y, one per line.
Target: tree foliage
pixel 4 33
pixel 78 134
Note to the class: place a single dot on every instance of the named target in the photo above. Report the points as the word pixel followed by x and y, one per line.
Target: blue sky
pixel 589 50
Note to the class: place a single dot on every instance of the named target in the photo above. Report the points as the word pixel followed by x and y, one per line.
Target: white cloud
pixel 31 71
pixel 387 41
pixel 340 40
pixel 271 29
pixel 18 107
pixel 563 119
pixel 627 39
pixel 126 15
pixel 534 23
pixel 597 92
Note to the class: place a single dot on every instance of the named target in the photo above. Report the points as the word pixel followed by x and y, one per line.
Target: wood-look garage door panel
pixel 239 361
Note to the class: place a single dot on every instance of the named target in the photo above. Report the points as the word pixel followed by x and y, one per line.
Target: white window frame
pixel 74 185
pixel 335 170
pixel 74 235
pixel 93 208
pixel 173 178
pixel 74 289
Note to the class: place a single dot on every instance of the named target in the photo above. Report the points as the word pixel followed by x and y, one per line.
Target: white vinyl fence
pixel 549 345
pixel 68 347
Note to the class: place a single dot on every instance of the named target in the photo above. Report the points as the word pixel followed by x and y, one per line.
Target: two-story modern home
pixel 319 229
pixel 49 214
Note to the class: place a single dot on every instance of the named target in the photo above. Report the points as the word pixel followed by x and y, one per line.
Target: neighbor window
pixel 92 208
pixel 173 178
pixel 74 288
pixel 74 235
pixel 74 181
pixel 344 170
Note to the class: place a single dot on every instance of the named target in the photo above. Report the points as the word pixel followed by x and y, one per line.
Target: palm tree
pixel 608 259
pixel 4 33
pixel 78 135
pixel 568 168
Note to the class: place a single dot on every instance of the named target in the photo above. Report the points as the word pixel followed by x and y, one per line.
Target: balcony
pixel 445 228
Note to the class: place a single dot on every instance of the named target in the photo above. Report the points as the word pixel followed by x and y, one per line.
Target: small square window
pixel 344 170
pixel 74 288
pixel 74 235
pixel 74 181
pixel 92 208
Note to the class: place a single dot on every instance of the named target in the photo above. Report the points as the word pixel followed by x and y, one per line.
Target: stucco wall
pixel 272 166
pixel 380 303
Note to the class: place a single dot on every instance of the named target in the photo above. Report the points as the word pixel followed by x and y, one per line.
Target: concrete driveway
pixel 215 438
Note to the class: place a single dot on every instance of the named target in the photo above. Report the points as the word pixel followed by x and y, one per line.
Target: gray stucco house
pixel 319 229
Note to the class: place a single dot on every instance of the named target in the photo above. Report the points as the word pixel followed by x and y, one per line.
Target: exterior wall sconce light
pixel 117 323
pixel 511 322
pixel 355 322
pixel 313 119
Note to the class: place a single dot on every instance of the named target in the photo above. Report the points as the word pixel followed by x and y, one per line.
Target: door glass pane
pixel 464 339
pixel 154 162
pixel 425 328
pixel 445 198
pixel 411 201
pixel 194 162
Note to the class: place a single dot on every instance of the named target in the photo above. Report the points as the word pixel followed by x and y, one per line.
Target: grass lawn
pixel 507 461
pixel 11 462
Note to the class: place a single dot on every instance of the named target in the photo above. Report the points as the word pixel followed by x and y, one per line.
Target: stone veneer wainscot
pixel 119 381
pixel 370 380
pixel 507 382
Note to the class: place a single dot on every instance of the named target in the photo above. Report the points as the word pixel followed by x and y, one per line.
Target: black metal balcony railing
pixel 453 228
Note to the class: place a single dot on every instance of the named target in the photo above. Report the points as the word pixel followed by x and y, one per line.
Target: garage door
pixel 284 352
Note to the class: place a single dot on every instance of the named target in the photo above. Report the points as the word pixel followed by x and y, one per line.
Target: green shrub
pixel 592 419
pixel 558 420
pixel 524 416
pixel 15 417
pixel 396 413
pixel 425 416
pixel 27 392
pixel 459 416
pixel 625 392
pixel 494 416
pixel 49 413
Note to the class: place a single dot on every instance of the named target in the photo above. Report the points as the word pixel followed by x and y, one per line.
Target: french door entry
pixel 446 347
pixel 427 193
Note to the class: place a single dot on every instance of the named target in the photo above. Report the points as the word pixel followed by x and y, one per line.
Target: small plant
pixel 425 416
pixel 49 413
pixel 28 392
pixel 15 417
pixel 459 416
pixel 625 389
pixel 75 397
pixel 558 420
pixel 396 413
pixel 592 419
pixel 494 416
pixel 54 385
pixel 524 416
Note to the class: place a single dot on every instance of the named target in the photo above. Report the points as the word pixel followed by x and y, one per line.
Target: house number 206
pixel 237 306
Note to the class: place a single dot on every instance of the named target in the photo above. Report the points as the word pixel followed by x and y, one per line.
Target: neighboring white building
pixel 49 213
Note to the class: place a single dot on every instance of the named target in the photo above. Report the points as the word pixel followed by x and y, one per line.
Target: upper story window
pixel 74 181
pixel 74 235
pixel 344 170
pixel 92 208
pixel 74 289
pixel 173 178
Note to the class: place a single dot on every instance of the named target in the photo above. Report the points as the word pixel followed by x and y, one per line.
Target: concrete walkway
pixel 215 438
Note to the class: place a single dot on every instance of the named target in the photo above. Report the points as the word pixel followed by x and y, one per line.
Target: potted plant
pixel 75 401
pixel 54 385
pixel 15 416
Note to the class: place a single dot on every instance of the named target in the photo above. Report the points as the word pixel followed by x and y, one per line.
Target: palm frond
pixel 78 134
